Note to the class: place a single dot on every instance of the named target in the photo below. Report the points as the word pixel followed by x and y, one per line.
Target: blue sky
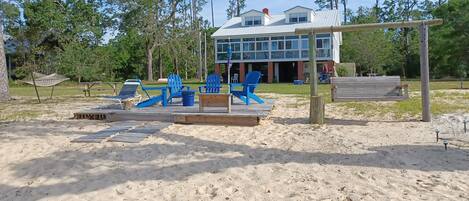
pixel 275 7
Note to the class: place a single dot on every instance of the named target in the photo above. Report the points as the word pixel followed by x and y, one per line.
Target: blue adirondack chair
pixel 175 87
pixel 212 86
pixel 152 100
pixel 249 85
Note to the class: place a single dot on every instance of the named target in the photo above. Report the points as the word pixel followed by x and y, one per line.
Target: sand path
pixel 282 159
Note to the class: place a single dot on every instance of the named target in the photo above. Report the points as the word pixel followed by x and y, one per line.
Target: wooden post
pixel 424 73
pixel 52 92
pixel 316 108
pixel 313 74
pixel 35 87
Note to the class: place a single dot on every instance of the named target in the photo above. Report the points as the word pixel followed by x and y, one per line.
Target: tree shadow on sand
pixel 329 121
pixel 109 166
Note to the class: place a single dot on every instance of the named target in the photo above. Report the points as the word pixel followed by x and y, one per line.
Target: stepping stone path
pixel 128 132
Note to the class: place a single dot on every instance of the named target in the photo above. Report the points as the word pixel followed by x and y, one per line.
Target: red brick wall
pixel 242 72
pixel 301 70
pixel 270 72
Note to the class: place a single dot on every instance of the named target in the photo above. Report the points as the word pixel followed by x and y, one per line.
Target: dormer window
pixel 253 21
pixel 299 14
pixel 298 18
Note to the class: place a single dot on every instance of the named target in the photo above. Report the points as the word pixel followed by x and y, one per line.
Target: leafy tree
pixel 450 42
pixel 405 39
pixel 128 54
pixel 235 7
pixel 370 50
pixel 327 4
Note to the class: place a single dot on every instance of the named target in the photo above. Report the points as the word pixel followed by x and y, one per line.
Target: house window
pixel 278 47
pixel 249 48
pixel 262 48
pixel 292 47
pixel 253 21
pixel 298 18
pixel 323 46
pixel 222 49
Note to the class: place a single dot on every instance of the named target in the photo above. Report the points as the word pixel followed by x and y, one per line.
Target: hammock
pixel 42 80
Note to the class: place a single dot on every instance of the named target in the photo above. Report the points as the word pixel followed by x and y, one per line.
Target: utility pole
pixel 213 19
pixel 205 55
pixel 199 73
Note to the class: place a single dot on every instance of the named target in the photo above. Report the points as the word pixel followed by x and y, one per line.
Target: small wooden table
pixel 89 85
pixel 215 100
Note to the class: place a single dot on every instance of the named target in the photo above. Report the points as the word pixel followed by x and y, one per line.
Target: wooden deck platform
pixel 241 115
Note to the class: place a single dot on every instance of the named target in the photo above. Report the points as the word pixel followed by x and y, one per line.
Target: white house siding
pixel 337 41
pixel 255 44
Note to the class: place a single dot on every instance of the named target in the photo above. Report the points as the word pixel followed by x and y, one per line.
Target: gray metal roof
pixel 298 7
pixel 276 25
pixel 252 10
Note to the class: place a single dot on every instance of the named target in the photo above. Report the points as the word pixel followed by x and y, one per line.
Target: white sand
pixel 350 158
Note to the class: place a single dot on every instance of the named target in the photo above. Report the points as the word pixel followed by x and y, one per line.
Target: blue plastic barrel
pixel 188 97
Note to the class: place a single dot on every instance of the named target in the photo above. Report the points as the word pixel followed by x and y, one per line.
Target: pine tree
pixel 235 7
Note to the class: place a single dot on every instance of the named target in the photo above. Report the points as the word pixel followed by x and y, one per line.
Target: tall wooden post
pixel 316 108
pixel 199 72
pixel 424 73
pixel 205 56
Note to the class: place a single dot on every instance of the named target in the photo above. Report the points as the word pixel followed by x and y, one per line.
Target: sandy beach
pixel 350 158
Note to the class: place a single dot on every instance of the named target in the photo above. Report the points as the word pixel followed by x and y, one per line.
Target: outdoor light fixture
pixel 445 142
pixel 437 134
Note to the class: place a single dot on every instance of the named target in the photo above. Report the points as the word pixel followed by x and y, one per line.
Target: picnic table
pixel 89 85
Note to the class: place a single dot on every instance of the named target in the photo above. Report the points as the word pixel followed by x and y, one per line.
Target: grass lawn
pixel 442 101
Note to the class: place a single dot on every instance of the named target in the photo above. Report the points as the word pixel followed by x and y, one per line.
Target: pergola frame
pixel 316 115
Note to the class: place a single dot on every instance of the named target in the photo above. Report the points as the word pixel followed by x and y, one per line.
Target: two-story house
pixel 267 43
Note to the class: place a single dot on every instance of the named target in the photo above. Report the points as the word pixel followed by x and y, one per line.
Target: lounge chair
pixel 128 91
pixel 175 87
pixel 212 86
pixel 249 85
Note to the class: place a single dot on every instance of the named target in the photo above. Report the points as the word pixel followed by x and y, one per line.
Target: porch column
pixel 301 70
pixel 242 72
pixel 270 72
pixel 218 69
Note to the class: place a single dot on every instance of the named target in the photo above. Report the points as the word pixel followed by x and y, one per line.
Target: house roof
pixel 298 7
pixel 276 25
pixel 252 10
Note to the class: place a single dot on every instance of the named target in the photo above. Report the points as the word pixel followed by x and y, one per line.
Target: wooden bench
pixel 388 88
pixel 215 100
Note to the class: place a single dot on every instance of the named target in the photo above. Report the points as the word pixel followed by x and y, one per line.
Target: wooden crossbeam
pixel 364 27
